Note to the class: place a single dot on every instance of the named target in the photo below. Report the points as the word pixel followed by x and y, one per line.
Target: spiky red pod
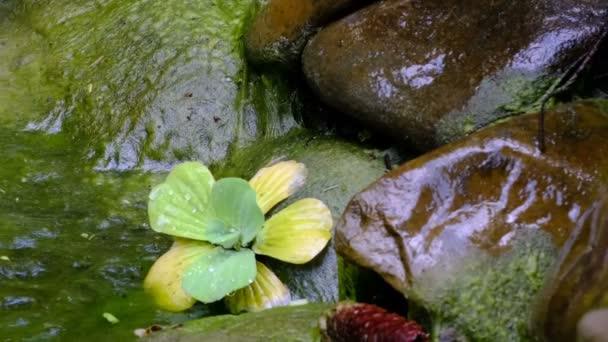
pixel 352 322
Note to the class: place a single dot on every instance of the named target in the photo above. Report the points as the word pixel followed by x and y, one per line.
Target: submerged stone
pixel 469 230
pixel 428 72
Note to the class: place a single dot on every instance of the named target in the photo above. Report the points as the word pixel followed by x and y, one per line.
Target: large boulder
pixel 429 72
pixel 469 230
pixel 153 83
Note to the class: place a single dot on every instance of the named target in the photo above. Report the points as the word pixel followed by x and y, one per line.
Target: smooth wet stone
pixel 576 291
pixel 295 323
pixel 429 72
pixel 282 28
pixel 336 171
pixel 469 230
pixel 154 83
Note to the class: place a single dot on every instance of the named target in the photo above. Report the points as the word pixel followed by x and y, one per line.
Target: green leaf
pixel 297 233
pixel 181 206
pixel 164 280
pixel 234 203
pixel 265 292
pixel 219 273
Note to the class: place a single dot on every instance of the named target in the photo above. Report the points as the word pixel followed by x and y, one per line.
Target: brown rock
pixel 469 230
pixel 578 284
pixel 280 31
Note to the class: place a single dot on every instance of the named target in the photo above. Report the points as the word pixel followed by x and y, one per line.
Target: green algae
pixel 294 323
pixel 77 242
pixel 492 297
pixel 153 83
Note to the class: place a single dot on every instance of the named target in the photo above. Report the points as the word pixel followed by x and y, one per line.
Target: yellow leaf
pixel 265 292
pixel 164 280
pixel 297 233
pixel 275 183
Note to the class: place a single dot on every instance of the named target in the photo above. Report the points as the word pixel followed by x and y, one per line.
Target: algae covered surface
pixel 140 83
pixel 295 323
pixel 76 244
pixel 93 95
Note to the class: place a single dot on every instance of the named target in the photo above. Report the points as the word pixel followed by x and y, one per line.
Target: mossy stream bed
pixel 74 243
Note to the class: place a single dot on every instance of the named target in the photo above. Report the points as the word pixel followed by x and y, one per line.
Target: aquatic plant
pixel 219 227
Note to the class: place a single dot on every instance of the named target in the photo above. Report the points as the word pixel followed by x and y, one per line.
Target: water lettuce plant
pixel 219 227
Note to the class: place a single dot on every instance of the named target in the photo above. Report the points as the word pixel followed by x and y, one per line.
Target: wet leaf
pixel 265 292
pixel 275 183
pixel 234 204
pixel 218 273
pixel 180 205
pixel 164 280
pixel 297 233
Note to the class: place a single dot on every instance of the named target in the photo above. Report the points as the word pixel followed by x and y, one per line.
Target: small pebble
pixel 110 318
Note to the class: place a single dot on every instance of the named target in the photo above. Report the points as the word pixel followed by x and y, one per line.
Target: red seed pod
pixel 353 322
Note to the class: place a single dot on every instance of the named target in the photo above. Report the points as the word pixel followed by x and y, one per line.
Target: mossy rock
pixel 469 231
pixel 293 324
pixel 153 83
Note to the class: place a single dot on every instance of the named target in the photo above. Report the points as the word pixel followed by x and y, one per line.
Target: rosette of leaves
pixel 219 227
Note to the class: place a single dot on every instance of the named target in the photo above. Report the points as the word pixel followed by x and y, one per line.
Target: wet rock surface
pixel 428 72
pixel 152 84
pixel 280 31
pixel 469 230
pixel 579 283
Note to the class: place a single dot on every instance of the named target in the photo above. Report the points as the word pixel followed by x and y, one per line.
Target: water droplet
pixel 162 220
pixel 154 194
pixel 250 281
pixel 211 269
pixel 187 197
